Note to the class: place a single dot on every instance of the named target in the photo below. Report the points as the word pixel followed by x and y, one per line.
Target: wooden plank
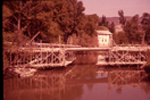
pixel 120 63
pixel 34 37
pixel 88 49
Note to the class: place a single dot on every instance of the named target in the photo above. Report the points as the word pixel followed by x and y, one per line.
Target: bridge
pixel 42 55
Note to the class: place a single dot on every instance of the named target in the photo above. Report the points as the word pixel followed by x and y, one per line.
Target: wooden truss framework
pixel 126 57
pixel 43 57
pixel 122 57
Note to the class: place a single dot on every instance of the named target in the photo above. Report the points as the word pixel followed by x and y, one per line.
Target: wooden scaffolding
pixel 41 55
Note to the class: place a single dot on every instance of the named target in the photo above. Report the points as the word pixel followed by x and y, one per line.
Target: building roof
pixel 103 32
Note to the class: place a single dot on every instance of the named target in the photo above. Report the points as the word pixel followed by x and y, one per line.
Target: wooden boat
pixel 25 72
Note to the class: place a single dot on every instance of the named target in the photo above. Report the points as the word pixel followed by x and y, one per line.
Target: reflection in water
pixel 81 82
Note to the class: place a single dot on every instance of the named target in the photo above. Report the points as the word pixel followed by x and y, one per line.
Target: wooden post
pixel 123 59
pixel 31 56
pixel 41 50
pixel 17 57
pixel 10 59
pixel 47 57
pixel 59 39
pixel 109 54
pixel 140 56
pixel 23 57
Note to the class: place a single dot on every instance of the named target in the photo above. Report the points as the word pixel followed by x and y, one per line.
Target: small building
pixel 104 38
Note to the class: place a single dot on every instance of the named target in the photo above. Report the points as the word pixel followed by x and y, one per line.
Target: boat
pixel 25 72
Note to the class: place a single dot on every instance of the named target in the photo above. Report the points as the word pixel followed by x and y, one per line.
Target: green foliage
pixel 112 27
pixel 102 28
pixel 85 40
pixel 105 23
pixel 122 19
pixel 120 38
pixel 146 27
pixel 23 19
pixel 132 28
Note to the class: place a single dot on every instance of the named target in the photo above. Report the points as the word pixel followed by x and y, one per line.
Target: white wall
pixel 103 39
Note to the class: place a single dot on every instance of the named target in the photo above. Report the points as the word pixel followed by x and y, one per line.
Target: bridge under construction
pixel 55 55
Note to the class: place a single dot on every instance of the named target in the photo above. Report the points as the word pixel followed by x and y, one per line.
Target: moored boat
pixel 25 72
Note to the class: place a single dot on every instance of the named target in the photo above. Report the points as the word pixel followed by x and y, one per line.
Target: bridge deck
pixel 44 49
pixel 109 48
pixel 88 49
pixel 121 63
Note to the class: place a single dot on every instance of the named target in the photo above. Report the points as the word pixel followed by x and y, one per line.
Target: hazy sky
pixel 110 8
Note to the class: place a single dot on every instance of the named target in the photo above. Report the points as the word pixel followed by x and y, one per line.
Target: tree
pixel 104 21
pixel 132 30
pixel 91 24
pixel 52 18
pixel 122 19
pixel 75 18
pixel 16 23
pixel 131 27
pixel 145 27
pixel 112 27
pixel 120 38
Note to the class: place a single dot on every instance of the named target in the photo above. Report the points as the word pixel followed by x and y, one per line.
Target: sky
pixel 110 8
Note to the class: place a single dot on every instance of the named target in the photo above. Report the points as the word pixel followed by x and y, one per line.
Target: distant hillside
pixel 116 19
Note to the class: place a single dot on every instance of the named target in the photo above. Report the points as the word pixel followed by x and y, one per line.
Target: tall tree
pixel 52 18
pixel 122 19
pixel 17 22
pixel 91 24
pixel 131 27
pixel 146 27
pixel 112 27
pixel 76 17
pixel 104 21
pixel 132 30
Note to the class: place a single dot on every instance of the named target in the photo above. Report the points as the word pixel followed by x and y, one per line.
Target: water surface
pixel 79 82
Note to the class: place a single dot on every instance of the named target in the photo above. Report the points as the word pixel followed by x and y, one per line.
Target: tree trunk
pixel 19 22
pixel 19 26
pixel 19 30
pixel 143 38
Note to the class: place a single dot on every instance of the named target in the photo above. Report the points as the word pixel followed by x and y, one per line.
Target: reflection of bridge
pixel 55 55
pixel 49 83
pixel 121 77
pixel 54 81
pixel 56 84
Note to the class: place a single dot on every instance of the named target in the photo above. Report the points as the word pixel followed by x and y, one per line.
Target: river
pixel 79 81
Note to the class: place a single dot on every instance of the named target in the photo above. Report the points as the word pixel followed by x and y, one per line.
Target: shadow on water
pixel 79 81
